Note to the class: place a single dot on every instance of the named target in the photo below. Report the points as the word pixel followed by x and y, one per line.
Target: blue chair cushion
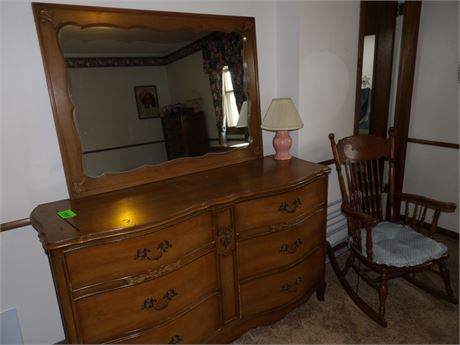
pixel 401 246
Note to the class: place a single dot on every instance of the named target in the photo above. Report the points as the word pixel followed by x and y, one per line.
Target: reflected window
pixel 230 109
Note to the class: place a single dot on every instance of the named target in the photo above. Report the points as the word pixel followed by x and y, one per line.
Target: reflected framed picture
pixel 147 101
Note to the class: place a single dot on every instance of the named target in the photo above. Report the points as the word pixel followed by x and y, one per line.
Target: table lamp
pixel 282 117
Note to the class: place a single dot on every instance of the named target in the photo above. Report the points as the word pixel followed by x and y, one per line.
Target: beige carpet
pixel 414 317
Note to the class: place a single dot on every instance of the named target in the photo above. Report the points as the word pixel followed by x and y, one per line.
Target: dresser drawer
pixel 190 328
pixel 119 259
pixel 280 208
pixel 274 250
pixel 141 306
pixel 282 288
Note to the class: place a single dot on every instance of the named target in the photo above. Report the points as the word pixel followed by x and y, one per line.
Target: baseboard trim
pixel 339 246
pixel 448 233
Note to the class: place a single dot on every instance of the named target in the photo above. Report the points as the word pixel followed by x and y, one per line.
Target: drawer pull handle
pixel 291 249
pixel 162 247
pixel 152 303
pixel 176 339
pixel 285 208
pixel 292 287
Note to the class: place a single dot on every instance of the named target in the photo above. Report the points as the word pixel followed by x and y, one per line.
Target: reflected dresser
pixel 185 134
pixel 197 258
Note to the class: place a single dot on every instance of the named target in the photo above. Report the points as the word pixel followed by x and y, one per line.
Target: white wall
pixel 327 74
pixel 186 79
pixel 317 54
pixel 306 50
pixel 107 116
pixel 434 171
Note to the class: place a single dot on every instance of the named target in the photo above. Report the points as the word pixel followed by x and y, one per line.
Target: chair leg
pixel 321 289
pixel 348 264
pixel 383 293
pixel 359 302
pixel 446 278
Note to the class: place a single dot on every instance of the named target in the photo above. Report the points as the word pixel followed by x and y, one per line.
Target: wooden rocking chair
pixel 391 248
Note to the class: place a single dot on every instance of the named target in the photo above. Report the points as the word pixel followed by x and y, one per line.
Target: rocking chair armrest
pixel 431 203
pixel 417 220
pixel 364 218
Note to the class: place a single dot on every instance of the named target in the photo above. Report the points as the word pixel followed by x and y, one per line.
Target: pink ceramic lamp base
pixel 282 143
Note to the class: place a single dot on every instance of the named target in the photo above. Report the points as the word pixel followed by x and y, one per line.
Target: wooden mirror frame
pixel 50 18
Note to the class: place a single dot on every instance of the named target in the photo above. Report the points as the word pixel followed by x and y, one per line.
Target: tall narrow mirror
pixel 374 72
pixel 366 84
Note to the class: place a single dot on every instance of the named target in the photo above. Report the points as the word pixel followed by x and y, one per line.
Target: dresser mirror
pixel 140 96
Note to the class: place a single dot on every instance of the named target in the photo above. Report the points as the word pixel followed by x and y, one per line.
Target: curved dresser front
pixel 197 258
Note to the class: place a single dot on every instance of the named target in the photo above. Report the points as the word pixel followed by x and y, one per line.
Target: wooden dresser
pixel 197 258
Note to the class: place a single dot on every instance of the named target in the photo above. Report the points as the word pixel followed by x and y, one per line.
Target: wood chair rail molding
pixel 15 224
pixel 50 18
pixel 433 143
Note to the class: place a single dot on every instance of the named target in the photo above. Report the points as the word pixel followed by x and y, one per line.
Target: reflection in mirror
pixel 143 97
pixel 366 84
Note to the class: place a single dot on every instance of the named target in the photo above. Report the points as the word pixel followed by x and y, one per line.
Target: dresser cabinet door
pixel 269 250
pixel 268 292
pixel 281 247
pixel 120 258
pixel 280 208
pixel 191 327
pixel 109 313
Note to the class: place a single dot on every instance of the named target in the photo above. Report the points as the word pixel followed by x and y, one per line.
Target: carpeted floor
pixel 414 317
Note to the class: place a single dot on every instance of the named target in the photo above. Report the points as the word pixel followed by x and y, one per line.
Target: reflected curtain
pixel 220 50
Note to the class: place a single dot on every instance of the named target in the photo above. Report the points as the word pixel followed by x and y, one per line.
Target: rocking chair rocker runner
pixel 388 249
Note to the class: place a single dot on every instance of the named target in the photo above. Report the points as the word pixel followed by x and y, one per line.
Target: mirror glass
pixel 143 97
pixel 366 84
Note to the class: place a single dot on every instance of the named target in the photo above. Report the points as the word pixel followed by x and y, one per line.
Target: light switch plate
pixel 10 329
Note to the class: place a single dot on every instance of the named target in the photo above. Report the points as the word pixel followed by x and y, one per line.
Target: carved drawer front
pixel 280 289
pixel 192 327
pixel 131 256
pixel 280 208
pixel 275 250
pixel 142 306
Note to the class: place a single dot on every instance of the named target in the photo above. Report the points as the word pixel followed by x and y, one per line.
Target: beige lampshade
pixel 282 115
pixel 243 119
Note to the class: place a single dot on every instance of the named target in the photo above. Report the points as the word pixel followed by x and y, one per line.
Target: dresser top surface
pixel 154 204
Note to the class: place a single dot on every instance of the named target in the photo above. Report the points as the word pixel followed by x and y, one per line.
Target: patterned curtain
pixel 222 50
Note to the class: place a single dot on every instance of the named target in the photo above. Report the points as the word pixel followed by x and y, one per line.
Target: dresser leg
pixel 321 289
